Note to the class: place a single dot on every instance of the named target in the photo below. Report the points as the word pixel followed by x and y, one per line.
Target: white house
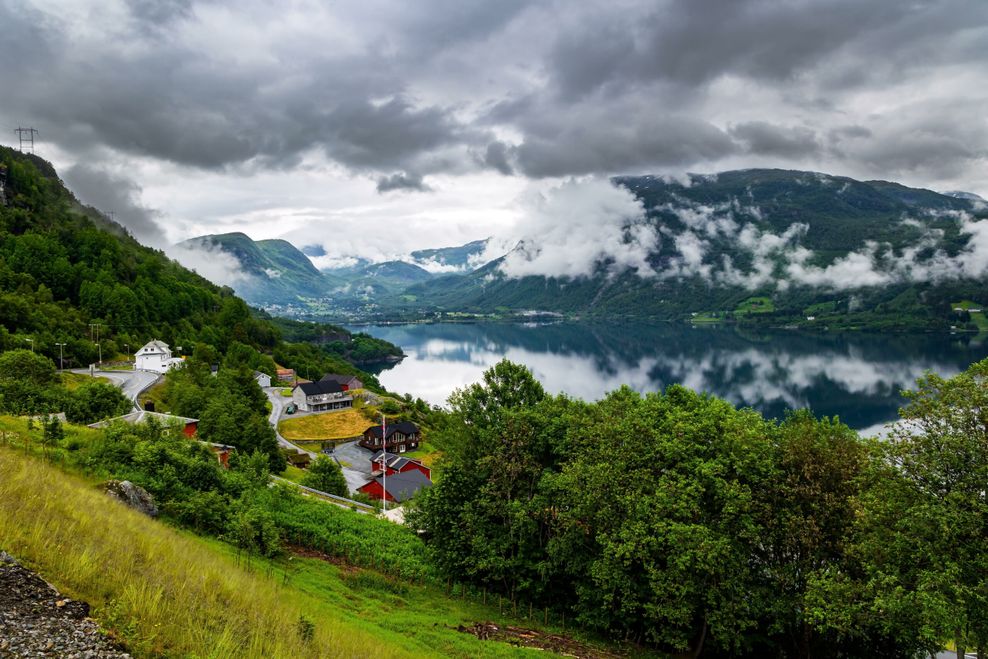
pixel 263 379
pixel 321 397
pixel 155 356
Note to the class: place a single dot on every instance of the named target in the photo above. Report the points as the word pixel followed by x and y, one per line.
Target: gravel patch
pixel 36 621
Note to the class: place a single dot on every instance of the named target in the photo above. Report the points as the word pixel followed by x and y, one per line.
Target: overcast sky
pixel 375 127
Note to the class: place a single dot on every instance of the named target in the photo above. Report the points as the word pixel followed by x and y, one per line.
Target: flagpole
pixel 384 461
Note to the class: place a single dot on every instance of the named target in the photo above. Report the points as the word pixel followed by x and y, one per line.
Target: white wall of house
pixel 298 397
pixel 263 379
pixel 154 358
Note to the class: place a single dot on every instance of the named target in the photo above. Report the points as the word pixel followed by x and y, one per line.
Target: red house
pixel 390 463
pixel 189 426
pixel 400 487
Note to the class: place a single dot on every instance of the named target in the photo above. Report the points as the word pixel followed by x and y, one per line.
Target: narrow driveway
pixel 278 404
pixel 132 383
pixel 356 474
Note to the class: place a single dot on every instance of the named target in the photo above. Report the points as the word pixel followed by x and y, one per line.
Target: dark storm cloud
pixel 402 182
pixel 537 89
pixel 585 147
pixel 497 157
pixel 117 195
pixel 766 139
pixel 692 42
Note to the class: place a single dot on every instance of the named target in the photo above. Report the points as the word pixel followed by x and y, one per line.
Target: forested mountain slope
pixel 66 269
pixel 786 244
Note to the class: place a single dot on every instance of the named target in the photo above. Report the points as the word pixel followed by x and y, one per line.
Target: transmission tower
pixel 26 138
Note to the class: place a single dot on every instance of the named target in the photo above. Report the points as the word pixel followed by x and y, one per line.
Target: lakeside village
pixel 384 462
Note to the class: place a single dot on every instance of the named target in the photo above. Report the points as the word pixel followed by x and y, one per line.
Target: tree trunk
pixel 700 641
pixel 959 644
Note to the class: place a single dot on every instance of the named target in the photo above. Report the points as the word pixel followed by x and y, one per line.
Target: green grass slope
pixel 164 592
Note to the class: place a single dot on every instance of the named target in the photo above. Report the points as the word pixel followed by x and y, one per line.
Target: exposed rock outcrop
pixel 134 496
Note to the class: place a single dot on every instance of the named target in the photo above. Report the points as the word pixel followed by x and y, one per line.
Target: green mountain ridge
pixel 67 271
pixel 832 217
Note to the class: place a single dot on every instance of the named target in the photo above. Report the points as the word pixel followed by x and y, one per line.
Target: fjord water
pixel 856 376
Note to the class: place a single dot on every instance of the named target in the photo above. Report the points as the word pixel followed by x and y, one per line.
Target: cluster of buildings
pixel 394 478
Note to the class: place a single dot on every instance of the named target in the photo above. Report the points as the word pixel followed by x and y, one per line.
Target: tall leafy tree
pixel 326 476
pixel 662 518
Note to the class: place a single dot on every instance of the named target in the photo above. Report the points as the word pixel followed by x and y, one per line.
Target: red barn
pixel 396 464
pixel 400 487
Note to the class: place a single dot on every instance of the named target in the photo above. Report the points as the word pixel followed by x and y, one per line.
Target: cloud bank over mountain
pixel 242 116
pixel 588 226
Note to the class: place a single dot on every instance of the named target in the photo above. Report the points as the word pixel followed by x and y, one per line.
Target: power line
pixel 25 137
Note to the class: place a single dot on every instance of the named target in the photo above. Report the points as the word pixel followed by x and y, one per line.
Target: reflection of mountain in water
pixel 855 376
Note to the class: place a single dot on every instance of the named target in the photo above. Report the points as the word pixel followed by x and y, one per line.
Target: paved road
pixel 278 404
pixel 132 383
pixel 359 471
pixel 356 475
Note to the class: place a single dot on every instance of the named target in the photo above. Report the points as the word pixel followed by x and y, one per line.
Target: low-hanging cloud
pixel 210 262
pixel 114 194
pixel 576 229
pixel 586 227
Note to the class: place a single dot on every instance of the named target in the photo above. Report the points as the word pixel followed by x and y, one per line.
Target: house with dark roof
pixel 401 436
pixel 398 488
pixel 347 382
pixel 321 397
pixel 390 463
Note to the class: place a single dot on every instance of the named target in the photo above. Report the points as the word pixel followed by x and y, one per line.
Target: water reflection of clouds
pixel 764 376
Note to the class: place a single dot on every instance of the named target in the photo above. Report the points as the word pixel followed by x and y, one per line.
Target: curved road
pixel 132 383
pixel 355 478
pixel 277 407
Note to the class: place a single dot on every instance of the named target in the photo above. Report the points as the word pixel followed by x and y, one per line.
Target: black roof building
pixel 403 486
pixel 404 427
pixel 320 388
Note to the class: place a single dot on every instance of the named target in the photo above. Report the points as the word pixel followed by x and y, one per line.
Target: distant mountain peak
pixel 967 196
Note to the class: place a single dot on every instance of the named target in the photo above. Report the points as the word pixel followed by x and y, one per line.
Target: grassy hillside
pixel 166 592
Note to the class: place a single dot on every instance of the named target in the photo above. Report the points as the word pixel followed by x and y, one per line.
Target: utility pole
pixel 98 346
pixel 61 359
pixel 25 138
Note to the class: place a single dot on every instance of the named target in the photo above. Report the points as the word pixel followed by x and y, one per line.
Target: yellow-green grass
pixel 328 425
pixel 977 317
pixel 755 305
pixel 293 474
pixel 73 381
pixel 156 394
pixel 707 317
pixel 426 453
pixel 160 590
pixel 165 592
pixel 286 392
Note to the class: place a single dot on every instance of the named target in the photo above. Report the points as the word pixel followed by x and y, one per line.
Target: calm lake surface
pixel 856 376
